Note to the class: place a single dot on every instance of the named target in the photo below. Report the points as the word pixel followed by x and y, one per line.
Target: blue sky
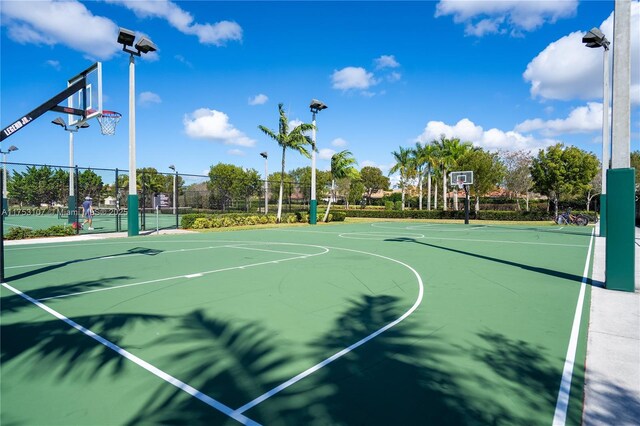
pixel 501 74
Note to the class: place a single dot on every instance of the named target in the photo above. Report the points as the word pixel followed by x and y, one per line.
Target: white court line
pixel 140 362
pixel 562 404
pixel 346 350
pixel 121 256
pixel 299 256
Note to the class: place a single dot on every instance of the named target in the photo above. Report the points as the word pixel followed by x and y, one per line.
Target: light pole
pixel 265 155
pixel 5 195
pixel 593 39
pixel 72 210
pixel 315 106
pixel 175 188
pixel 144 45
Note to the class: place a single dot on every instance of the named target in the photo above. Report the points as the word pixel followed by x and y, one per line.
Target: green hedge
pixel 205 221
pixel 54 231
pixel 533 215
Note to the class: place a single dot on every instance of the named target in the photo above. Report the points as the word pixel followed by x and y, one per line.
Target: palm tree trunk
pixel 444 189
pixel 435 195
pixel 279 216
pixel 429 190
pixel 333 189
pixel 420 186
pixel 403 185
pixel 455 198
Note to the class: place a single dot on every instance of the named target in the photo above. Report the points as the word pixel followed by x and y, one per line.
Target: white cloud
pixel 502 16
pixel 326 153
pixel 567 70
pixel 148 98
pixel 237 152
pixel 214 125
pixel 386 61
pixel 384 167
pixel 394 76
pixel 182 59
pixel 492 139
pixel 583 119
pixel 352 78
pixel 217 34
pixel 338 142
pixel 258 99
pixel 294 123
pixel 57 22
pixel 53 64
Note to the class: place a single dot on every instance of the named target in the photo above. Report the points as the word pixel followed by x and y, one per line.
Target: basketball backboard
pixel 89 98
pixel 461 178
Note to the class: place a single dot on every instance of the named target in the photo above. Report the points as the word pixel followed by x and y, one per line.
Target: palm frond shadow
pixel 388 380
pixel 43 344
pixel 14 302
pixel 230 362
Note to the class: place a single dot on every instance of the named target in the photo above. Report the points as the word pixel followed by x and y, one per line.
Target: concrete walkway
pixel 612 377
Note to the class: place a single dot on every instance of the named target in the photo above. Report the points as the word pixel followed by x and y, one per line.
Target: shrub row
pixel 54 231
pixel 205 221
pixel 449 214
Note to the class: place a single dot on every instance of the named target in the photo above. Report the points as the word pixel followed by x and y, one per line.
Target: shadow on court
pixel 537 269
pixel 136 251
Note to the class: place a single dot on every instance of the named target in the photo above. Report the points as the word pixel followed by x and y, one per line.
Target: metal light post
pixel 265 155
pixel 144 45
pixel 175 188
pixel 5 195
pixel 72 210
pixel 593 39
pixel 315 106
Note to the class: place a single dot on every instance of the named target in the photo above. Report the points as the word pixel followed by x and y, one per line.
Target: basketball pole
pixel 466 204
pixel 132 201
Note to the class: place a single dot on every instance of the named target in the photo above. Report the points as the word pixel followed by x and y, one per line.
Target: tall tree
pixel 449 151
pixel 293 139
pixel 342 166
pixel 560 171
pixel 488 171
pixel 517 178
pixel 423 159
pixel 405 166
pixel 373 181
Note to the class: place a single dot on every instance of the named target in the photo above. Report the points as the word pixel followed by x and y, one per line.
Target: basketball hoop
pixel 108 121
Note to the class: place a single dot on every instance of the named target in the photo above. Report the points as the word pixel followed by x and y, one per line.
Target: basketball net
pixel 108 121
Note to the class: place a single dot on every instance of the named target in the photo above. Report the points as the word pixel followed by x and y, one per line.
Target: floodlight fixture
pixel 264 155
pixel 317 106
pixel 12 148
pixel 172 167
pixel 595 38
pixel 60 122
pixel 126 37
pixel 145 45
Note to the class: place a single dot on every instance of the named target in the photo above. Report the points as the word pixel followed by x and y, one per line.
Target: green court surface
pixel 386 323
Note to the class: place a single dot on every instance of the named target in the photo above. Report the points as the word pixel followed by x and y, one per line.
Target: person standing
pixel 87 212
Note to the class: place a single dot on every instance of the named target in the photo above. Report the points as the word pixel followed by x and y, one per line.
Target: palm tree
pixel 449 151
pixel 341 167
pixel 423 160
pixel 404 165
pixel 293 139
pixel 457 150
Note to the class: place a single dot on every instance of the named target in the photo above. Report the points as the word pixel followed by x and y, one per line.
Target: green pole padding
pixel 313 212
pixel 620 261
pixel 132 215
pixel 603 215
pixel 73 212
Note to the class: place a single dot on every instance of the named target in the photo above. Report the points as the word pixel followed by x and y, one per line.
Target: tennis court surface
pixel 384 323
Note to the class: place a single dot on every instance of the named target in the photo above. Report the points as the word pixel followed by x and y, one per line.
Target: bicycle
pixel 571 219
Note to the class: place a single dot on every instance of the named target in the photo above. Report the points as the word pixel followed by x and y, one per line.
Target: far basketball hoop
pixel 461 179
pixel 108 121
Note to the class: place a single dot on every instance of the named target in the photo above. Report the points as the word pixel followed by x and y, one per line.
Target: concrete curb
pixel 612 376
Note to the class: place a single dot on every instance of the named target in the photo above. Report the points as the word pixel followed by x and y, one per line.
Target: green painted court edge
pixel 620 259
pixel 133 228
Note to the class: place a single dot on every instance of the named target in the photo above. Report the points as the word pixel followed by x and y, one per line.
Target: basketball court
pixel 367 323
